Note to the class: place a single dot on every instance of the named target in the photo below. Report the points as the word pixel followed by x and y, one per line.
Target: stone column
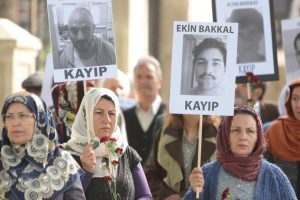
pixel 170 11
pixel 121 15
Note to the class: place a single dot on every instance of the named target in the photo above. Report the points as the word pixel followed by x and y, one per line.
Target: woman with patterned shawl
pixel 66 101
pixel 283 137
pixel 240 172
pixel 112 168
pixel 32 166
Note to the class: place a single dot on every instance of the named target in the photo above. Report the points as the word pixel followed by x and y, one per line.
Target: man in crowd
pixel 33 83
pixel 140 119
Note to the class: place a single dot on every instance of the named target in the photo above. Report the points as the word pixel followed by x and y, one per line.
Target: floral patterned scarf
pixel 38 169
pixel 67 98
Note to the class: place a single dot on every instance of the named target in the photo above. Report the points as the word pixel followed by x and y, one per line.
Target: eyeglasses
pixel 85 29
pixel 19 116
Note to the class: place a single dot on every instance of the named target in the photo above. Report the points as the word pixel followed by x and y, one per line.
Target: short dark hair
pixel 295 41
pixel 208 43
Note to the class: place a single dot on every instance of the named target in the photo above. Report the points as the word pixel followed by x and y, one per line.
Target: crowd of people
pixel 106 140
pixel 98 142
pixel 89 146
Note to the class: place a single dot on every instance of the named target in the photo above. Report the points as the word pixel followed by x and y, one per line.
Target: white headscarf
pixel 84 118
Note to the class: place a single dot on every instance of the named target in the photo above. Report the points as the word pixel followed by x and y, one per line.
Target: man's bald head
pixel 81 15
pixel 81 29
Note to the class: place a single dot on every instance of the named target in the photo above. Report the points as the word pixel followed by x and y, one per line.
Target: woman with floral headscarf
pixel 113 169
pixel 32 166
pixel 240 171
pixel 283 137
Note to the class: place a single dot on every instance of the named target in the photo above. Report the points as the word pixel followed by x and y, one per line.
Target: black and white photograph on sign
pixel 203 68
pixel 82 38
pixel 251 43
pixel 291 45
pixel 203 65
pixel 256 51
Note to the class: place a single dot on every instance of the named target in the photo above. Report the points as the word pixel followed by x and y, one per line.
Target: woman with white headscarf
pixel 113 169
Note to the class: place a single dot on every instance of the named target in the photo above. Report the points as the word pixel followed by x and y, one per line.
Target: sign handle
pixel 249 98
pixel 199 149
pixel 87 116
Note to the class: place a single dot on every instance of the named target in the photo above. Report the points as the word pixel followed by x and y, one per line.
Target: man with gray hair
pixel 140 119
pixel 85 48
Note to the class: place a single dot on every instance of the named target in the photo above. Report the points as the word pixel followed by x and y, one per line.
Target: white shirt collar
pixel 154 106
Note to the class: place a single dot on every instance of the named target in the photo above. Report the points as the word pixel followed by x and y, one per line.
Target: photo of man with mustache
pixel 209 66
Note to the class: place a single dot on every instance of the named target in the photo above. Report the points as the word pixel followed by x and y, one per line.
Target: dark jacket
pixel 156 173
pixel 141 141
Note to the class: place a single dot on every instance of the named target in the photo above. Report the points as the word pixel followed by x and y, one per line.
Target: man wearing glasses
pixel 85 48
pixel 209 67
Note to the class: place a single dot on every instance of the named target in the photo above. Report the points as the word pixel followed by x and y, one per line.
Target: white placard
pixel 209 91
pixel 256 49
pixel 291 45
pixel 82 38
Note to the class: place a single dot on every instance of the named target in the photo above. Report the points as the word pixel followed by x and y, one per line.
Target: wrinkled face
pixel 146 81
pixel 296 102
pixel 104 118
pixel 243 135
pixel 209 68
pixel 19 121
pixel 81 30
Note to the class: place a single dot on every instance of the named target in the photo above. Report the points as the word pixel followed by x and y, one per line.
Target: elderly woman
pixel 240 171
pixel 32 166
pixel 113 169
pixel 283 137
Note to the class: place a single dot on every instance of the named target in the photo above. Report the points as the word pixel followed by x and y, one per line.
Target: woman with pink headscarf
pixel 240 171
